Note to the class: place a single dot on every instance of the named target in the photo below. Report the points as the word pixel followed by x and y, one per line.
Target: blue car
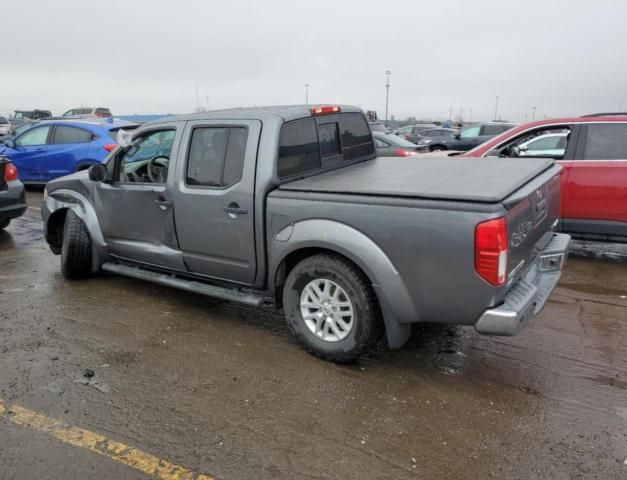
pixel 55 148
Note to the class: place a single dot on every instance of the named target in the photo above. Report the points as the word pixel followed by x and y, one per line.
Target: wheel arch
pixel 304 240
pixel 56 206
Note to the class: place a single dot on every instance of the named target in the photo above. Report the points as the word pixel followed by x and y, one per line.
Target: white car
pixel 549 145
pixel 5 126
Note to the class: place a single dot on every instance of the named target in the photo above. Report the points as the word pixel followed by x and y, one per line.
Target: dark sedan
pixel 432 136
pixel 12 197
pixel 469 137
pixel 389 145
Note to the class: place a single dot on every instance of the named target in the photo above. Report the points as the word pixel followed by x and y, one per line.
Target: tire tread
pixel 76 254
pixel 372 324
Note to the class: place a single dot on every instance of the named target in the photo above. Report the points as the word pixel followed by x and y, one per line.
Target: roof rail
pixel 605 114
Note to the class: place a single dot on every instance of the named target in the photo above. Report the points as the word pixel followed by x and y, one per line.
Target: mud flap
pixel 397 333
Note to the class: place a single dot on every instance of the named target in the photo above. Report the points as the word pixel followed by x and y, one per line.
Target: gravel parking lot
pixel 224 391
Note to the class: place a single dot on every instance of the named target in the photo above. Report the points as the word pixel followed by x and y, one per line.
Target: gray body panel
pixel 409 224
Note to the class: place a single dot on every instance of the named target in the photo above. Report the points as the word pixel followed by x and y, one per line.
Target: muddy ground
pixel 224 389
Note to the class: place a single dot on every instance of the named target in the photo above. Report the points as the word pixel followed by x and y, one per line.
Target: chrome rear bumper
pixel 528 296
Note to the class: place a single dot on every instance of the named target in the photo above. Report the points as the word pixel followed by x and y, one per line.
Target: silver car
pixel 5 126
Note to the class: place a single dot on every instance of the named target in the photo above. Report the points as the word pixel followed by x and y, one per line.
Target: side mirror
pixel 458 136
pixel 10 143
pixel 98 173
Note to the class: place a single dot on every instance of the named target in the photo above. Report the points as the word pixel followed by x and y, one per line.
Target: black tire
pixel 437 148
pixel 76 248
pixel 366 314
pixel 4 223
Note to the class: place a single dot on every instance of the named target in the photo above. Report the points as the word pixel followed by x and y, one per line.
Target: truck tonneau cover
pixel 461 179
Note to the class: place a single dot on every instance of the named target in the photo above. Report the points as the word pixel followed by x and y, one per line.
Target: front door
pixel 135 209
pixel 29 152
pixel 214 199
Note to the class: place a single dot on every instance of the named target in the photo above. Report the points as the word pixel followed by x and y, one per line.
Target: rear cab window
pixel 315 144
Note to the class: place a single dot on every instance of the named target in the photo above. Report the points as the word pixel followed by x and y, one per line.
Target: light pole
pixel 533 113
pixel 387 95
pixel 306 94
pixel 496 108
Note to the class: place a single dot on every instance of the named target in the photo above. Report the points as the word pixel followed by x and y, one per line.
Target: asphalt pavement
pixel 111 377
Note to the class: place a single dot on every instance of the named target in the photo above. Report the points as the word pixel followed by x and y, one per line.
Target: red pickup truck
pixel 593 151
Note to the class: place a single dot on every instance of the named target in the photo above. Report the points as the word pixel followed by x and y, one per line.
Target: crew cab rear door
pixel 214 198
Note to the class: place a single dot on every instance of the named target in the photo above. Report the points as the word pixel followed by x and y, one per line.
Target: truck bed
pixel 486 180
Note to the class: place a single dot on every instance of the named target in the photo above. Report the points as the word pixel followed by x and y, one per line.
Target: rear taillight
pixel 10 172
pixel 405 153
pixel 110 147
pixel 491 251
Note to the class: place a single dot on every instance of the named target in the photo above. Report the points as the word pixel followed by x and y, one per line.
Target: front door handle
pixel 163 203
pixel 234 209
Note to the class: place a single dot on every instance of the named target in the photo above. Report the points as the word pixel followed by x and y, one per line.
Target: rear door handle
pixel 234 209
pixel 163 203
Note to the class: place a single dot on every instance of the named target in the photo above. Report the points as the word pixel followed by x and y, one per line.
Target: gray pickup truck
pixel 291 205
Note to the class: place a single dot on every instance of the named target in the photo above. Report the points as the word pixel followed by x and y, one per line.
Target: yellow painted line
pixel 78 437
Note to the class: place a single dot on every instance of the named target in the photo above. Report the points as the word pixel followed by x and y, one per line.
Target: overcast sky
pixel 146 56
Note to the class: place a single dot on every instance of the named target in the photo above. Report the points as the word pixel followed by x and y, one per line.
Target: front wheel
pixel 438 148
pixel 331 308
pixel 76 248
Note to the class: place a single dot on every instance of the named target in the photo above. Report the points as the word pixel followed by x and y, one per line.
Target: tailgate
pixel 532 214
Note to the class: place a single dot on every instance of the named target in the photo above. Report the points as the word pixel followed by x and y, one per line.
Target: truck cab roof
pixel 285 113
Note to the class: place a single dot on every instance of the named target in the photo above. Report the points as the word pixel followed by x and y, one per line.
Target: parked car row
pixel 23 116
pixel 53 148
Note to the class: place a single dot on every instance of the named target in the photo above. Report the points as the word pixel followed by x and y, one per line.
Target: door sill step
pixel 231 294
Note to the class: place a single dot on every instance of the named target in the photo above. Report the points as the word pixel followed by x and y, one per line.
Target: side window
pixel 299 151
pixel 64 134
pixel 492 129
pixel 216 156
pixel 545 142
pixel 606 141
pixel 356 136
pixel 148 158
pixel 381 143
pixel 329 139
pixel 35 136
pixel 470 132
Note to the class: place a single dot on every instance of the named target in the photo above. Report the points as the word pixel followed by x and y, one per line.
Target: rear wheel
pixel 437 148
pixel 331 308
pixel 76 248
